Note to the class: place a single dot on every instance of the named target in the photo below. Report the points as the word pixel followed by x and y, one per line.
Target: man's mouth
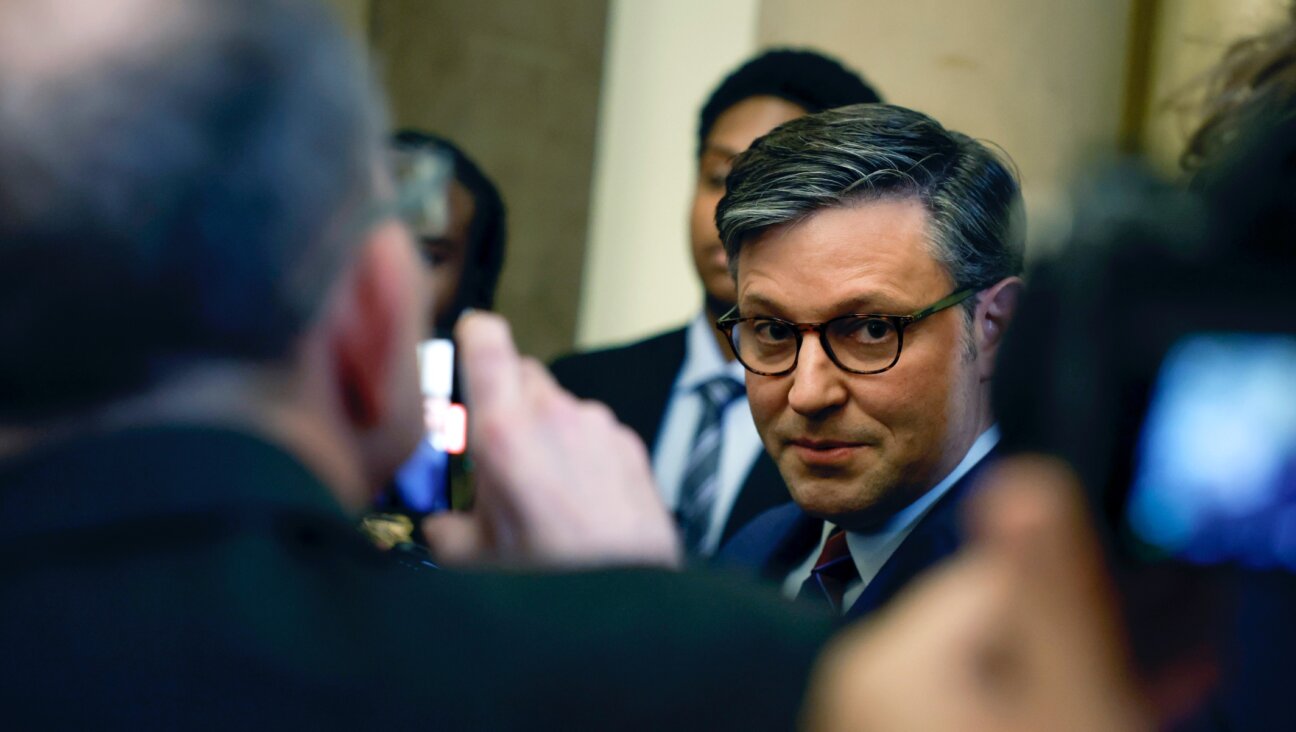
pixel 825 452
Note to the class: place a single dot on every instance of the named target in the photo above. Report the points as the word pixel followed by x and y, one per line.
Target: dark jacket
pixel 188 578
pixel 635 381
pixel 782 538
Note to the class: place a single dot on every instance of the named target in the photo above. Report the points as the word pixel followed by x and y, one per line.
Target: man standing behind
pixel 876 258
pixel 681 391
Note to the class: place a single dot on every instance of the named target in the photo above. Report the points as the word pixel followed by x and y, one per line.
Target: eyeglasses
pixel 420 197
pixel 860 343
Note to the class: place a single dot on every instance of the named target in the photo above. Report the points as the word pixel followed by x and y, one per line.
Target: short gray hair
pixel 880 150
pixel 191 197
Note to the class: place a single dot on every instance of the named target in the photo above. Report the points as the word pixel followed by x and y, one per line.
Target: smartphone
pixel 423 483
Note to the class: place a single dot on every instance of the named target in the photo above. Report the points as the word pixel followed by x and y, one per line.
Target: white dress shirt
pixel 740 444
pixel 872 550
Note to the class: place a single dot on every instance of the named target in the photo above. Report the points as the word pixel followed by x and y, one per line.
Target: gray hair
pixel 188 194
pixel 879 150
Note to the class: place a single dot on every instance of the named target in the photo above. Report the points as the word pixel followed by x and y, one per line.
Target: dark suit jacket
pixel 782 538
pixel 635 381
pixel 190 578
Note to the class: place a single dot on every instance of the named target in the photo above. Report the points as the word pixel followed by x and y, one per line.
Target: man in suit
pixel 681 391
pixel 876 258
pixel 210 315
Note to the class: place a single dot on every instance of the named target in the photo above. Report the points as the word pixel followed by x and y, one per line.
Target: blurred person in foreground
pixel 876 255
pixel 210 320
pixel 1054 617
pixel 681 391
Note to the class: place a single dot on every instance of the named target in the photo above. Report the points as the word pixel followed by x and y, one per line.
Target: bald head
pixel 43 40
pixel 181 181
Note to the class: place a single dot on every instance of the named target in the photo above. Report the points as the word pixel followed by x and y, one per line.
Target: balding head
pixel 181 181
pixel 42 41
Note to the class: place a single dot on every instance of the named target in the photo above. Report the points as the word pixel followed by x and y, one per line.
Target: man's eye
pixel 772 331
pixel 434 253
pixel 869 330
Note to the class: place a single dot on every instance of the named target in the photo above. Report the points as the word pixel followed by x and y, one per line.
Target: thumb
pixel 1033 515
pixel 491 365
pixel 1068 627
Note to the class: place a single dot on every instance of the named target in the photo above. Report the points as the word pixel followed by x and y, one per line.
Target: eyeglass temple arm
pixel 719 324
pixel 951 300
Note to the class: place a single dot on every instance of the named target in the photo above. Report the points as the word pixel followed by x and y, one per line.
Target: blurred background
pixel 585 112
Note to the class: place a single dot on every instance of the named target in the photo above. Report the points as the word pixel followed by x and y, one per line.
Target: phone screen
pixel 1215 469
pixel 423 482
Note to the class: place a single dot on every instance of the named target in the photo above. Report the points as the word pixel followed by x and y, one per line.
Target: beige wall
pixel 1042 78
pixel 517 85
pixel 663 59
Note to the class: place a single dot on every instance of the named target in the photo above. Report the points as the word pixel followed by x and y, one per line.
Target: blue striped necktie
pixel 698 488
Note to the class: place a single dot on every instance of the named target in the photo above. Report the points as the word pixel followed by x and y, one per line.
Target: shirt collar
pixel 703 359
pixel 868 550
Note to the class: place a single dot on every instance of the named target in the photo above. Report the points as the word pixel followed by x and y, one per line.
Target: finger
pixel 539 387
pixel 491 365
pixel 1033 512
pixel 1070 635
pixel 455 538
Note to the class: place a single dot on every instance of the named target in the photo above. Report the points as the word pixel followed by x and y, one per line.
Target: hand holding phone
pixel 559 482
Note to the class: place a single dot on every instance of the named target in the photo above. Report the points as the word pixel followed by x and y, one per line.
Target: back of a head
pixel 808 79
pixel 868 151
pixel 174 192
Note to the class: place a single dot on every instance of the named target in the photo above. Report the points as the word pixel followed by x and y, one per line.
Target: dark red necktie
pixel 833 571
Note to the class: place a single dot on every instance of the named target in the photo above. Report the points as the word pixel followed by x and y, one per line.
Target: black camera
pixel 1155 351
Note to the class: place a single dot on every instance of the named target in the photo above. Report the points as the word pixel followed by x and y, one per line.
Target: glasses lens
pixel 863 343
pixel 422 177
pixel 765 345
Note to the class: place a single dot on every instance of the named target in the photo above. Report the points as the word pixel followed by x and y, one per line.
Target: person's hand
pixel 559 482
pixel 1019 632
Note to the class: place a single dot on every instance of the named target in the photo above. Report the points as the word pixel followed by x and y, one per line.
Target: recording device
pixel 1215 467
pixel 1155 351
pixel 422 485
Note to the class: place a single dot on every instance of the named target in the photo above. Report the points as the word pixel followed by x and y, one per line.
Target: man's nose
pixel 818 386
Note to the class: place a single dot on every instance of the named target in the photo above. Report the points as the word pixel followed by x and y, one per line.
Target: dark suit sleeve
pixel 635 381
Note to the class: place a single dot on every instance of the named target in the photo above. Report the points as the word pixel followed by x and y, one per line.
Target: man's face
pixel 857 448
pixel 733 132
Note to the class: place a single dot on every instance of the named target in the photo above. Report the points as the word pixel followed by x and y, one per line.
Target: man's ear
pixel 370 324
pixel 994 313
